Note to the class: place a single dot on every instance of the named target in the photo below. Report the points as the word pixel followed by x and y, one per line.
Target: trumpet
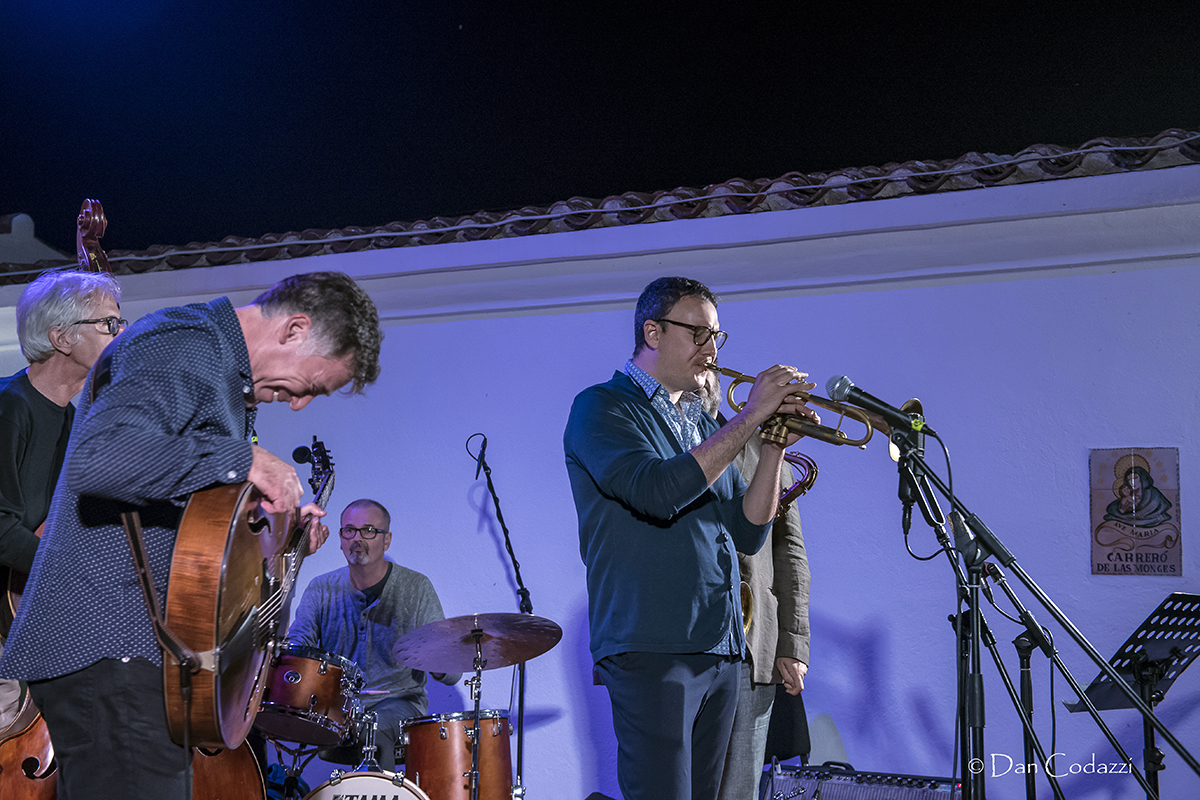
pixel 775 429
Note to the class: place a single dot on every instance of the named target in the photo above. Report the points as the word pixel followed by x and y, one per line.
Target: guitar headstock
pixel 321 477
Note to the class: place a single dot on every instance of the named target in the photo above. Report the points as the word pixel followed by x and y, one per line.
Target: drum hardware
pixel 476 684
pixel 300 758
pixel 370 723
pixel 478 642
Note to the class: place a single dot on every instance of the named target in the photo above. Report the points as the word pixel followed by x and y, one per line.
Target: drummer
pixel 360 611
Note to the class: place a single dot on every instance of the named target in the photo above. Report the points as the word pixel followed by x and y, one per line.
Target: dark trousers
pixel 672 715
pixel 108 725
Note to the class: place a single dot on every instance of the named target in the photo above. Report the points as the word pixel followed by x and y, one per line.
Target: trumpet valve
pixel 775 430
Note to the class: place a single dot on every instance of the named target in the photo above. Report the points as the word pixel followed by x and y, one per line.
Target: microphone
pixel 842 389
pixel 479 460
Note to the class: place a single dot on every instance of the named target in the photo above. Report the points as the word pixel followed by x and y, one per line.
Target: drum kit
pixel 315 699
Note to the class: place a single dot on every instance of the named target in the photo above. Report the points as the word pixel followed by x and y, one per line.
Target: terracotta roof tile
pixel 1039 162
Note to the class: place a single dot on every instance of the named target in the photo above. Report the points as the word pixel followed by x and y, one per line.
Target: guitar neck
pixel 298 547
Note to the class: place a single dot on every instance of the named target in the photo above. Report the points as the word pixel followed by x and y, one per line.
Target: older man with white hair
pixel 64 321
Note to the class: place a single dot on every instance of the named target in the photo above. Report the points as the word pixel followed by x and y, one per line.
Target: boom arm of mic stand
pixel 989 540
pixel 1038 637
pixel 979 626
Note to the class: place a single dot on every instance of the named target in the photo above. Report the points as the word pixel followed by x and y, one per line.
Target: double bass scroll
pixel 90 226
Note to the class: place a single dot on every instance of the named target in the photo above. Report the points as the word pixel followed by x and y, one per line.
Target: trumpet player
pixel 661 518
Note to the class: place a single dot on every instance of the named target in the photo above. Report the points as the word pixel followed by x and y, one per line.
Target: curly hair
pixel 343 316
pixel 657 300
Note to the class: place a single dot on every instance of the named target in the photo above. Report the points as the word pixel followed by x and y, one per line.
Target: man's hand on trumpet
pixel 774 392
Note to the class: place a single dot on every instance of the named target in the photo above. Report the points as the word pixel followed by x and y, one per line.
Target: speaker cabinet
pixel 837 783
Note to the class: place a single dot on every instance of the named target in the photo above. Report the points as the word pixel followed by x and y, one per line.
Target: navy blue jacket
pixel 658 543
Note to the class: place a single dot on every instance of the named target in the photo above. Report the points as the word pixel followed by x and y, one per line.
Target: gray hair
pixel 55 300
pixel 343 317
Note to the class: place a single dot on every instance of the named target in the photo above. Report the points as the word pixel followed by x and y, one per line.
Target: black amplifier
pixel 832 782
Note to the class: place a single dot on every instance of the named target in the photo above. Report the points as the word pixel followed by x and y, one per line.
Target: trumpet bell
pixel 747 608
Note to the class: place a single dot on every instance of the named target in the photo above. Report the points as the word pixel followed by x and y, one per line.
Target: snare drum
pixel 380 785
pixel 436 751
pixel 309 698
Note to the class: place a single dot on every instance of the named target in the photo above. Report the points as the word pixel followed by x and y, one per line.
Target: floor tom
pixel 436 752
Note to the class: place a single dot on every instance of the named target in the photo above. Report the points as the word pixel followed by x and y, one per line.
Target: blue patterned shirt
pixel 682 420
pixel 172 420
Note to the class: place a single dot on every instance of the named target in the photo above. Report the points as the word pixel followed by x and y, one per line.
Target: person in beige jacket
pixel 778 639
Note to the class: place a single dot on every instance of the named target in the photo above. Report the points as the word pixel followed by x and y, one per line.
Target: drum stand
pixel 292 782
pixel 476 684
pixel 370 722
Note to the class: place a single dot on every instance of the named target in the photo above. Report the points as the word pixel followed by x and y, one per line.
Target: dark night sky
pixel 193 121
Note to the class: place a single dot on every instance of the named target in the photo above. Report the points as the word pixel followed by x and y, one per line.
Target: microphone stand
pixel 525 606
pixel 978 535
pixel 971 629
pixel 1024 645
pixel 914 488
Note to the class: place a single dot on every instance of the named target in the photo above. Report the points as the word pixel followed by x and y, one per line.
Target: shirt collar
pixel 650 385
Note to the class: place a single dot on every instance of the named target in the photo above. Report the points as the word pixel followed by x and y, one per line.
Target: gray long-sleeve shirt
pixel 337 618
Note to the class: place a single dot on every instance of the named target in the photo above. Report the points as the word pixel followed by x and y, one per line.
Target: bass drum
pixel 380 785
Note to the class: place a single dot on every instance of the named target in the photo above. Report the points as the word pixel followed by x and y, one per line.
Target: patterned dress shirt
pixel 172 420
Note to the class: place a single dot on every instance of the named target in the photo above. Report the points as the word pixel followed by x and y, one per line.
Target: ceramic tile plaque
pixel 1135 511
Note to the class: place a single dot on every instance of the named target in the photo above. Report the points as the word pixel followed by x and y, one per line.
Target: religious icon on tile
pixel 1135 511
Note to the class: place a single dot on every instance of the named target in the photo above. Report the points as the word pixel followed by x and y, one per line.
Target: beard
pixel 358 557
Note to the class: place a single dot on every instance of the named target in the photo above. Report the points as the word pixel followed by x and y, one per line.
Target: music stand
pixel 1153 657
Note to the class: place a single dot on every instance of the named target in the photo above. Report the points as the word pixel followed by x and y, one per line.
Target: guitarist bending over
pixel 173 413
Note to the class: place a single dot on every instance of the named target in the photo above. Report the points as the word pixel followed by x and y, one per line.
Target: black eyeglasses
pixel 701 334
pixel 113 325
pixel 366 531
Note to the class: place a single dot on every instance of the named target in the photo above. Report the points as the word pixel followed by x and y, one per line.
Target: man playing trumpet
pixel 661 517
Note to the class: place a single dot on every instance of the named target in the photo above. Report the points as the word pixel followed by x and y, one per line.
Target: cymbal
pixel 448 645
